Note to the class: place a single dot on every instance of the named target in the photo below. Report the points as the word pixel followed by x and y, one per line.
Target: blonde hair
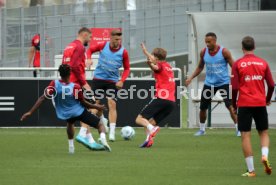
pixel 159 53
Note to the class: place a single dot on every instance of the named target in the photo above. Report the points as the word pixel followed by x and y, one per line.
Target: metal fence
pixel 159 23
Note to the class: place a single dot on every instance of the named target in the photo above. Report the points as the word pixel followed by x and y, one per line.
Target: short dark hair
pixel 116 32
pixel 159 53
pixel 211 34
pixel 84 29
pixel 64 70
pixel 248 43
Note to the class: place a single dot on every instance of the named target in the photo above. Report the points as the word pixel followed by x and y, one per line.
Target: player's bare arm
pixel 198 69
pixel 151 61
pixel 92 106
pixel 228 57
pixel 37 104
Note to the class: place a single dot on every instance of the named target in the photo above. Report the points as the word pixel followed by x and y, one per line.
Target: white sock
pixel 102 136
pixel 250 163
pixel 236 126
pixel 112 128
pixel 71 142
pixel 150 127
pixel 102 118
pixel 202 126
pixel 148 134
pixel 83 131
pixel 90 138
pixel 265 151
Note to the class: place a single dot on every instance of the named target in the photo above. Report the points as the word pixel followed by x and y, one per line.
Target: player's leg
pixel 244 124
pixel 206 97
pixel 94 121
pixel 143 119
pixel 99 88
pixel 261 121
pixel 112 115
pixel 70 134
pixel 81 137
pixel 225 94
pixel 166 108
pixel 100 114
pixel 111 95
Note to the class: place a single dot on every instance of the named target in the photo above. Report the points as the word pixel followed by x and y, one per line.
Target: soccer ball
pixel 127 132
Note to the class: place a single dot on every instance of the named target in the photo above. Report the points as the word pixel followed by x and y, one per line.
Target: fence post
pixel 22 34
pixel 4 35
pixel 42 36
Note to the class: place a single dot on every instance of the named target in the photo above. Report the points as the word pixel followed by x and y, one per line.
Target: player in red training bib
pixel 249 74
pixel 164 101
pixel 34 53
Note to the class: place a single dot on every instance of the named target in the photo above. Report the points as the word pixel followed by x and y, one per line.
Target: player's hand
pixel 144 49
pixel 188 82
pixel 86 87
pixel 268 103
pixel 119 84
pixel 26 115
pixel 89 63
pixel 100 107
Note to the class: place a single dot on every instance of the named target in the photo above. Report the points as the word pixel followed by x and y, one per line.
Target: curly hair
pixel 64 70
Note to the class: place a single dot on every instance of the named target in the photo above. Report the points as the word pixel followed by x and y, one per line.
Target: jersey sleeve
pixel 270 84
pixel 126 66
pixel 50 89
pixel 94 48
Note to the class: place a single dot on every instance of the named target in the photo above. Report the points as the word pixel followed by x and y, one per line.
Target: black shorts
pixel 104 89
pixel 87 118
pixel 246 114
pixel 209 92
pixel 157 109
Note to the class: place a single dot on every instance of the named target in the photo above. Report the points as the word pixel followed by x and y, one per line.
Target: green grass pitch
pixel 40 157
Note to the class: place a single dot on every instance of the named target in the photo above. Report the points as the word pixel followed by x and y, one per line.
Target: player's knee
pixel 112 104
pixel 138 119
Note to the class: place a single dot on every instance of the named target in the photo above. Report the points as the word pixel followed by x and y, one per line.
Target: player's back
pixel 165 81
pixel 74 55
pixel 252 73
pixel 67 106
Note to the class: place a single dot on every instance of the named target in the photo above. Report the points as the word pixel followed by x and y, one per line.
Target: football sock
pixel 265 151
pixel 148 134
pixel 150 127
pixel 83 131
pixel 236 126
pixel 202 126
pixel 112 128
pixel 90 138
pixel 102 136
pixel 71 142
pixel 250 163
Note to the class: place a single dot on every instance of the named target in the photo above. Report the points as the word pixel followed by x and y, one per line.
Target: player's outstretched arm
pixel 87 104
pixel 34 108
pixel 198 69
pixel 146 53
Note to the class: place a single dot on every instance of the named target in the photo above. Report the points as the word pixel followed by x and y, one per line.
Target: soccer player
pixel 248 75
pixel 70 105
pixel 216 58
pixel 34 53
pixel 74 55
pixel 164 102
pixel 107 78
